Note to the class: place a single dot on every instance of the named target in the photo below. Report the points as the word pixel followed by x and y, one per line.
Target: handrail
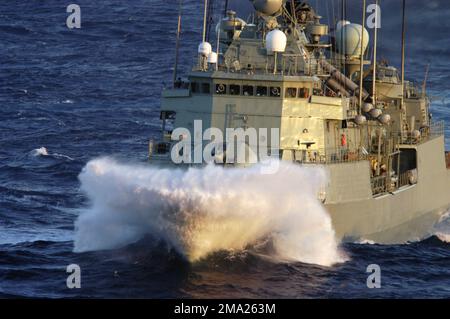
pixel 327 155
pixel 436 129
pixel 291 64
pixel 404 179
pixel 378 184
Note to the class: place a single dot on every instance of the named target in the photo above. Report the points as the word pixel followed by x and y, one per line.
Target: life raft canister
pixel 343 140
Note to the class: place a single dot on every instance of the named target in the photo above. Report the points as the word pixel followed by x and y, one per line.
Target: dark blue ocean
pixel 70 96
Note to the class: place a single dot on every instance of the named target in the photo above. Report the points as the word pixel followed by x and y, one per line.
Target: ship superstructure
pixel 360 119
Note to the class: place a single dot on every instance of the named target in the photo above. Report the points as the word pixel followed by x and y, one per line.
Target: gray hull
pixel 407 214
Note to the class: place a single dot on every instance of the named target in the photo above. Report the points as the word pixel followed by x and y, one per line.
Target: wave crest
pixel 42 151
pixel 204 210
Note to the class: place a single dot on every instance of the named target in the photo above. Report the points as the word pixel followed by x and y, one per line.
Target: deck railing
pixel 382 184
pixel 378 185
pixel 327 156
pixel 404 179
pixel 436 129
pixel 287 64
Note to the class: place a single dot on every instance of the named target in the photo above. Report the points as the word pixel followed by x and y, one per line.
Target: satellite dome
pixel 212 58
pixel 267 7
pixel 360 119
pixel 348 39
pixel 204 49
pixel 384 119
pixel 376 113
pixel 341 23
pixel 367 107
pixel 276 41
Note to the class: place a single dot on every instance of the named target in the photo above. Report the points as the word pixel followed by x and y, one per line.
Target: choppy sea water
pixel 70 96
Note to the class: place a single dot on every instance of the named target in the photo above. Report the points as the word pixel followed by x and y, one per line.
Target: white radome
pixel 385 119
pixel 367 107
pixel 360 119
pixel 212 58
pixel 348 39
pixel 276 41
pixel 204 49
pixel 376 113
pixel 340 24
pixel 267 7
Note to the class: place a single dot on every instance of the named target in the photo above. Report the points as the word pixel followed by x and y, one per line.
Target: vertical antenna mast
pixel 424 85
pixel 177 48
pixel 293 13
pixel 403 59
pixel 361 70
pixel 205 17
pixel 210 19
pixel 375 40
pixel 343 54
pixel 225 8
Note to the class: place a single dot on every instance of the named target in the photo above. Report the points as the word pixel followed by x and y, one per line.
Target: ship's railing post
pixel 437 128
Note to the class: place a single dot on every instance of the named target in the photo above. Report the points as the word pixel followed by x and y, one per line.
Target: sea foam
pixel 199 211
pixel 42 151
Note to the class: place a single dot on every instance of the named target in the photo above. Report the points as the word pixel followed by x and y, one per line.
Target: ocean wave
pixel 202 211
pixel 442 228
pixel 36 236
pixel 443 237
pixel 363 241
pixel 42 151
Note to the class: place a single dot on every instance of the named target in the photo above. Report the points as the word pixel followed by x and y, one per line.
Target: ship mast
pixel 375 40
pixel 361 70
pixel 177 49
pixel 344 17
pixel 225 10
pixel 205 17
pixel 403 111
pixel 424 84
pixel 210 19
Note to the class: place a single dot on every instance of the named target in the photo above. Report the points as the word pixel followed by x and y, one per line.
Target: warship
pixel 354 116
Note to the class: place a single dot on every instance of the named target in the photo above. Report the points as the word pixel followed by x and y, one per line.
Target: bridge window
pixel 235 89
pixel 206 89
pixel 303 93
pixel 275 91
pixel 291 93
pixel 317 92
pixel 261 91
pixel 221 89
pixel 194 87
pixel 168 115
pixel 247 90
pixel 162 148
